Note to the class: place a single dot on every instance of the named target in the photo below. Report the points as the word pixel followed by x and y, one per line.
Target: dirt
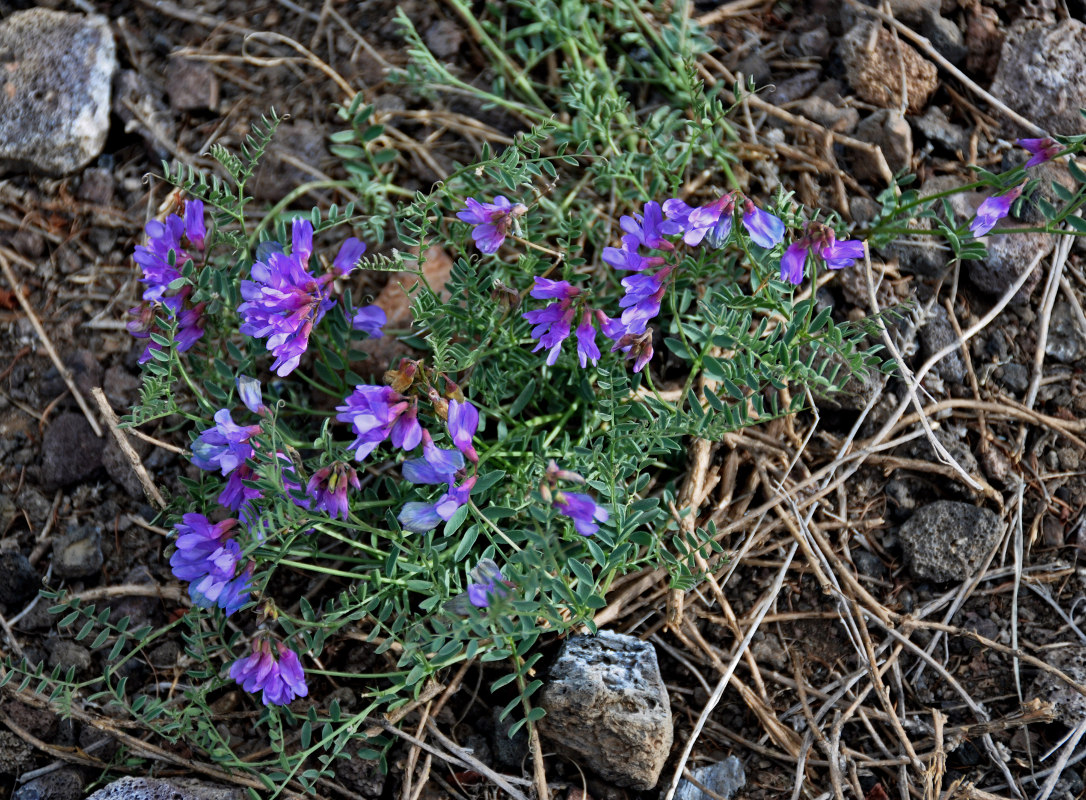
pixel 73 516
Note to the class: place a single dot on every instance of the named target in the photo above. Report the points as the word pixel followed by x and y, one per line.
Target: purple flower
pixel 491 220
pixel 819 241
pixel 279 676
pixel 644 293
pixel 714 219
pixel 378 413
pixel 489 584
pixel 637 346
pixel 328 488
pixel 208 560
pixel 463 422
pixel 628 258
pixel 992 210
pixel 225 446
pixel 585 512
pixel 238 497
pixel 765 229
pixel 586 340
pixel 236 592
pixel 164 254
pixel 370 320
pixel 349 254
pixel 437 465
pixel 190 322
pixel 1041 150
pixel 552 322
pixel 649 230
pixel 420 517
pixel 249 390
pixel 283 301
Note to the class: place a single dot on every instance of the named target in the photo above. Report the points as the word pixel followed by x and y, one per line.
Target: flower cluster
pixel 277 674
pixel 818 242
pixel 168 247
pixel 284 301
pixel 209 560
pixel 491 221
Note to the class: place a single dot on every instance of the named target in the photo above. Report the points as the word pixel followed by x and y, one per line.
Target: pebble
pixel 70 451
pixel 723 779
pixel 66 654
pixel 842 119
pixel 15 754
pixel 792 89
pixel 173 789
pixel 1066 338
pixel 875 72
pixel 86 373
pixel 608 709
pixel 947 540
pixel 444 38
pixel 1070 706
pixel 78 553
pixel 65 783
pixel 120 469
pixel 509 752
pixel 192 85
pixel 935 127
pixel 1042 75
pixel 97 187
pixel 887 130
pixel 945 37
pixel 19 580
pixel 936 334
pixel 1009 255
pixel 58 68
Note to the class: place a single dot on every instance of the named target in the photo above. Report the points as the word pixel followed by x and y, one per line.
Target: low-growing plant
pixel 484 487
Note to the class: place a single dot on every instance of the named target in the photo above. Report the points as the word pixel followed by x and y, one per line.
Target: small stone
pixel 873 66
pixel 1042 75
pixel 1014 377
pixel 121 388
pixel 173 789
pixel 55 87
pixel 65 783
pixel 947 540
pixel 842 119
pixel 15 754
pixel 984 38
pixel 945 37
pixel 912 12
pixel 791 89
pixel 938 129
pixel 192 85
pixel 607 707
pixel 936 334
pixel 78 553
pixel 508 752
pixel 888 130
pixel 360 775
pixel 85 371
pixel 444 38
pixel 723 779
pixel 816 43
pixel 96 187
pixel 755 66
pixel 66 654
pixel 869 564
pixel 1069 705
pixel 120 469
pixel 1066 337
pixel 70 451
pixel 19 580
pixel 1009 255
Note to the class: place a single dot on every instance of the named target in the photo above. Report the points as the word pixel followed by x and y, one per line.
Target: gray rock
pixel 65 783
pixel 607 708
pixel 56 85
pixel 888 130
pixel 842 119
pixel 66 654
pixel 70 451
pixel 508 752
pixel 755 66
pixel 1014 376
pixel 1070 705
pixel 723 779
pixel 78 554
pixel 1042 75
pixel 1009 255
pixel 945 37
pixel 912 12
pixel 816 43
pixel 1066 339
pixel 936 334
pixel 444 38
pixel 120 469
pixel 174 789
pixel 791 89
pixel 19 580
pixel 874 63
pixel 937 128
pixel 85 370
pixel 15 754
pixel 947 540
pixel 192 85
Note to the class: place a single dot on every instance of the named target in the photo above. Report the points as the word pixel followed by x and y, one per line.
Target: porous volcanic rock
pixel 947 540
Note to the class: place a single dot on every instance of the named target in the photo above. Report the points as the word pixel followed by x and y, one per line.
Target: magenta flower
pixel 586 340
pixel 162 258
pixel 820 242
pixel 636 346
pixel 649 230
pixel 370 320
pixel 713 218
pixel 238 497
pixel 463 422
pixel 436 466
pixel 284 301
pixel 628 258
pixel 378 413
pixel 585 512
pixel 491 220
pixel 279 676
pixel 553 321
pixel 328 488
pixel 992 210
pixel 1041 150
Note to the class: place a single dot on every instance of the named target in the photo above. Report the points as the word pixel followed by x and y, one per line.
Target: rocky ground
pixel 849 540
